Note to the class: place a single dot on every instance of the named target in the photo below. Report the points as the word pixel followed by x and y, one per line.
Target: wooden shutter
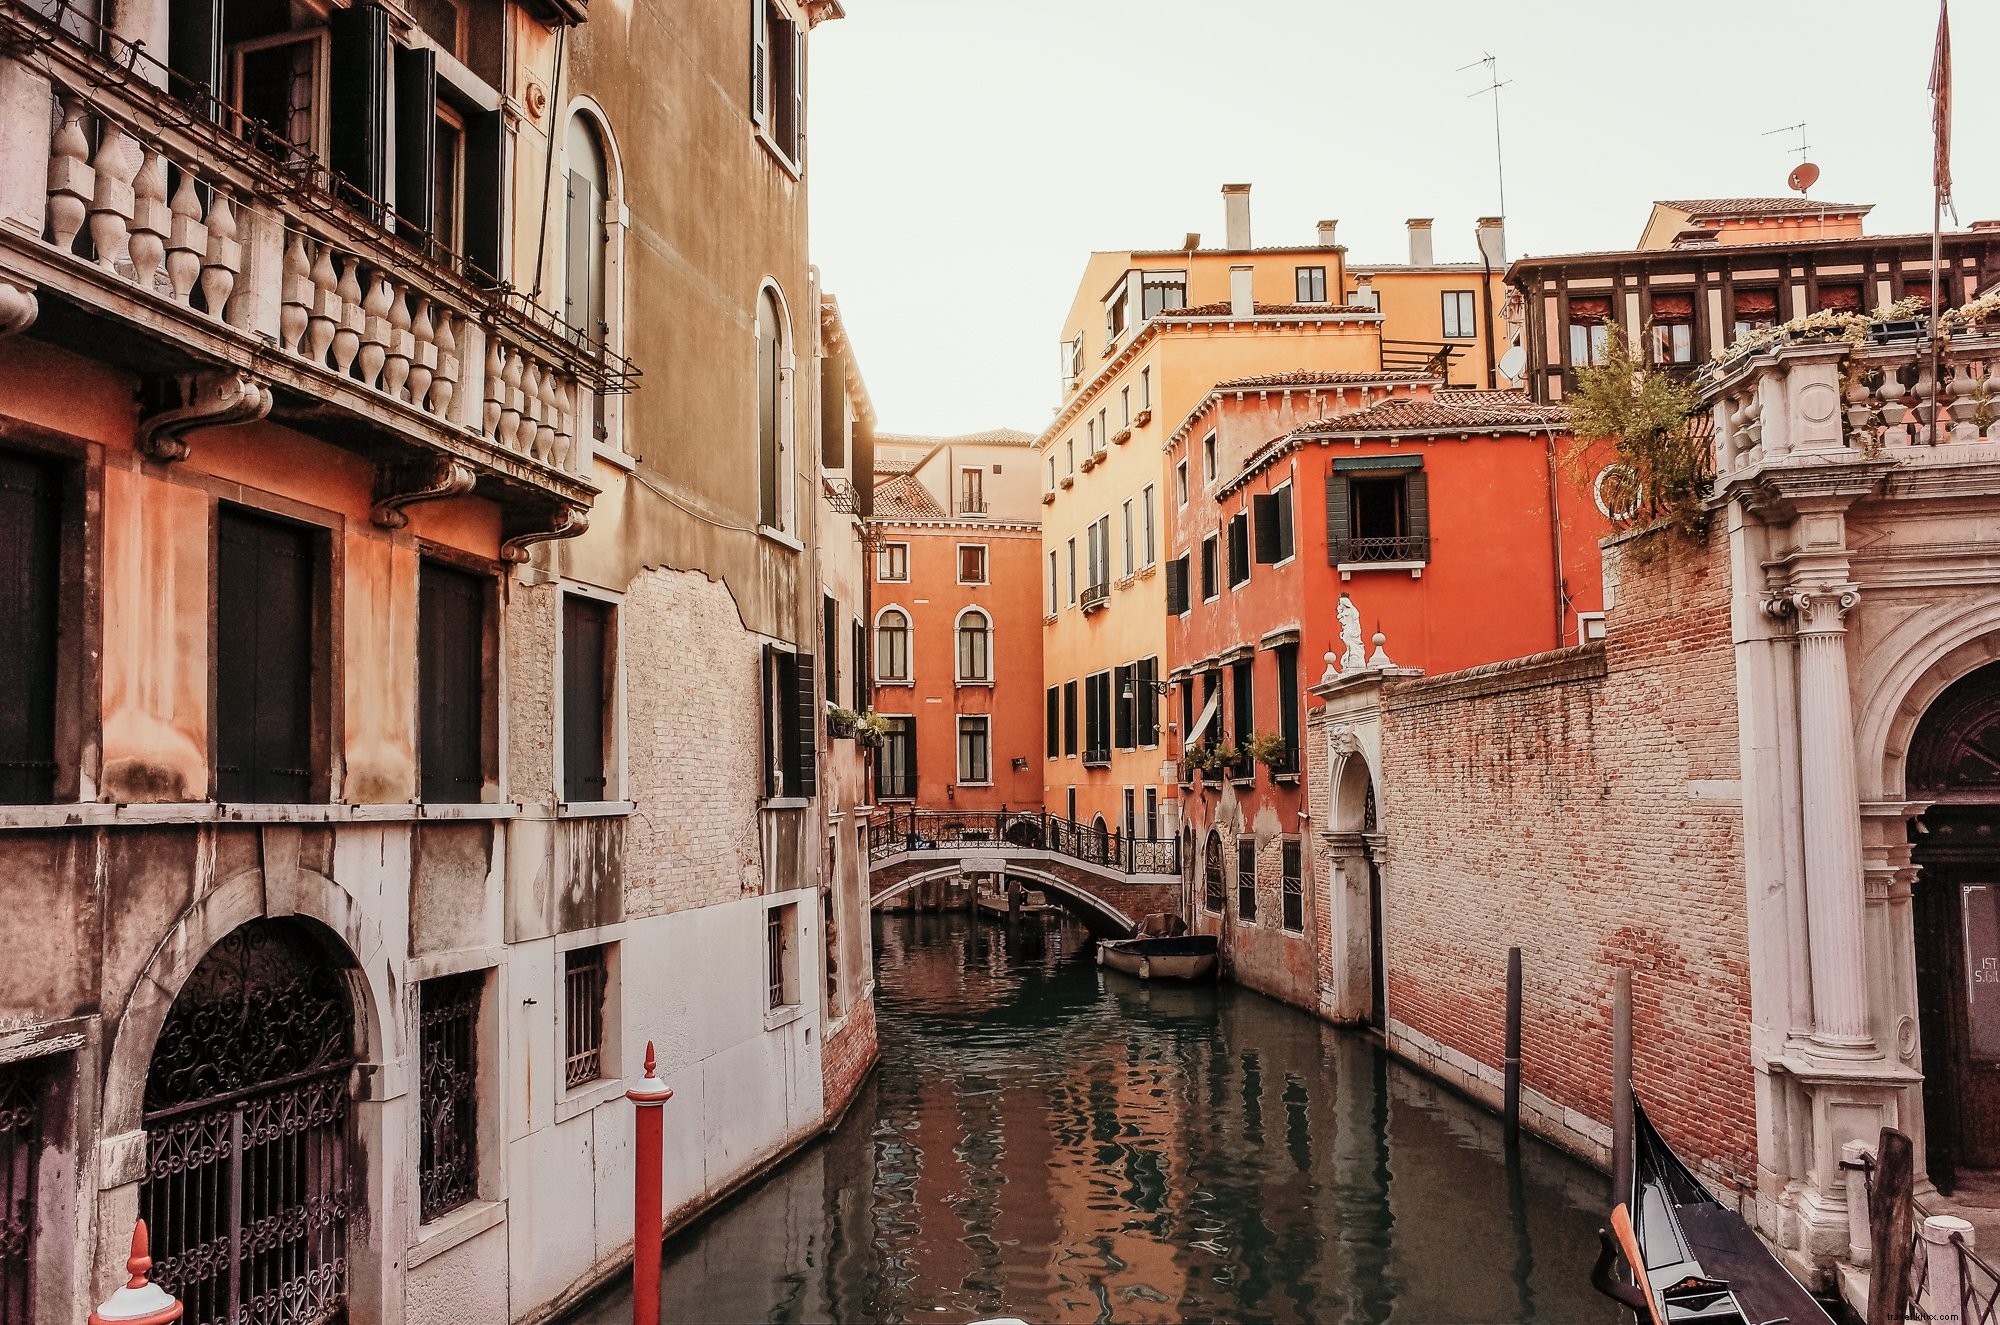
pixel 1417 508
pixel 803 773
pixel 451 640
pixel 263 662
pixel 833 413
pixel 1177 586
pixel 358 101
pixel 585 655
pixel 1121 680
pixel 760 57
pixel 797 138
pixel 1149 701
pixel 1281 505
pixel 30 550
pixel 1244 702
pixel 1264 512
pixel 416 137
pixel 579 195
pixel 194 50
pixel 830 631
pixel 1069 717
pixel 1052 722
pixel 1339 520
pixel 1239 548
pixel 485 168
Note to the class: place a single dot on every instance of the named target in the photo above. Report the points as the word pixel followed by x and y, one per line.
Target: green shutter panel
pixel 416 138
pixel 358 103
pixel 806 710
pixel 1338 521
pixel 1264 513
pixel 1417 500
pixel 798 143
pixel 1177 586
pixel 1149 701
pixel 1121 681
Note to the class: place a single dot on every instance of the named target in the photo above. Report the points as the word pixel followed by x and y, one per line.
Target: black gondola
pixel 1695 1260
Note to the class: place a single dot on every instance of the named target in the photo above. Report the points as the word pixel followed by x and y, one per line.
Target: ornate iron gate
pixel 247 1185
pixel 20 1141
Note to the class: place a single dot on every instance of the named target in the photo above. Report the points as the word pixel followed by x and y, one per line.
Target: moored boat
pixel 1181 957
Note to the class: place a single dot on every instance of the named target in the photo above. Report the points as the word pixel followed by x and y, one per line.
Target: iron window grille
pixel 584 977
pixel 448 1026
pixel 777 942
pixel 1246 879
pixel 20 1143
pixel 1294 917
pixel 1212 883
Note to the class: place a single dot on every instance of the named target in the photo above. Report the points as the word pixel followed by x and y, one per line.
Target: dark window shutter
pixel 358 100
pixel 859 669
pixel 1417 505
pixel 773 708
pixel 1121 681
pixel 1208 568
pixel 451 637
pixel 1339 522
pixel 1244 702
pixel 796 139
pixel 1288 694
pixel 263 664
pixel 416 136
pixel 760 57
pixel 803 775
pixel 585 627
pixel 1264 510
pixel 1052 722
pixel 1281 506
pixel 485 167
pixel 1069 717
pixel 1239 548
pixel 833 413
pixel 194 48
pixel 1177 586
pixel 1149 701
pixel 30 549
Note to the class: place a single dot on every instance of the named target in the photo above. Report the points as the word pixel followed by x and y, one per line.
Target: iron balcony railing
pixel 1405 547
pixel 909 830
pixel 1094 596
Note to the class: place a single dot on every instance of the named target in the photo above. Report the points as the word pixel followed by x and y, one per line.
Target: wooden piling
pixel 1621 1085
pixel 1510 1113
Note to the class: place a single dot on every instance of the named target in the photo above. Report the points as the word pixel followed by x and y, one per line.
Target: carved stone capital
pixel 401 485
pixel 212 398
pixel 567 522
pixel 18 307
pixel 1813 606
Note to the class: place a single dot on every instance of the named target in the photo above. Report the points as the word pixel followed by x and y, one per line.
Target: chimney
pixel 1236 216
pixel 1326 233
pixel 1493 241
pixel 1365 293
pixel 1420 241
pixel 1240 302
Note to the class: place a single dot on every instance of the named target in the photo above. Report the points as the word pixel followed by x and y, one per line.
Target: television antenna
pixel 1493 84
pixel 1800 130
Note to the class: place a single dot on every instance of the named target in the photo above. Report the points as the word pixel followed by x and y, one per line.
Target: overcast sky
pixel 967 155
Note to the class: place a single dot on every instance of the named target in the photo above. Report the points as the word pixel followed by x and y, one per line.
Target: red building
pixel 1443 525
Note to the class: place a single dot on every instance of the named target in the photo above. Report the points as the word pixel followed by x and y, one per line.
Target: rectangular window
pixel 1124 406
pixel 1116 310
pixel 1089 437
pixel 1377 514
pixel 1072 804
pixel 267 585
pixel 1589 325
pixel 1148 677
pixel 1146 387
pixel 1160 291
pixel 781 962
pixel 30 563
pixel 1273 512
pixel 972 563
pixel 1287 657
pixel 1752 310
pixel 1125 696
pixel 1458 315
pixel 1130 565
pixel 451 690
pixel 1673 328
pixel 586 661
pixel 1052 473
pixel 1209 584
pixel 892 563
pixel 448 1086
pixel 1072 572
pixel 1052 723
pixel 777 78
pixel 1208 458
pixel 1055 588
pixel 584 982
pixel 896 761
pixel 1239 548
pixel 975 753
pixel 1100 570
pixel 1069 718
pixel 791 725
pixel 1097 718
pixel 1130 820
pixel 1073 360
pixel 279 85
pixel 1246 879
pixel 1181 485
pixel 1069 447
pixel 1311 282
pixel 1149 546
pixel 1293 918
pixel 830 645
pixel 972 491
pixel 1177 586
pixel 1152 814
pixel 1243 702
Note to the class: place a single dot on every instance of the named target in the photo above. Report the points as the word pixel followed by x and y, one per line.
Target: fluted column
pixel 1830 802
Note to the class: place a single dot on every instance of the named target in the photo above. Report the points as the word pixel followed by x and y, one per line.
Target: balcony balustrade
pixel 241 282
pixel 909 829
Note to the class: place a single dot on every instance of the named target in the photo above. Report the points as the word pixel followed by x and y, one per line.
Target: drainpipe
pixel 1486 306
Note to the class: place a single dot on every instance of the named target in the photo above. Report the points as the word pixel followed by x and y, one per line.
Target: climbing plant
pixel 1663 467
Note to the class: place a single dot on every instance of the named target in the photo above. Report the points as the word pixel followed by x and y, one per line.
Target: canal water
pixel 1051 1141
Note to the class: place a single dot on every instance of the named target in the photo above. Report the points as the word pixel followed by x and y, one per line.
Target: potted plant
pixel 840 721
pixel 1270 750
pixel 870 729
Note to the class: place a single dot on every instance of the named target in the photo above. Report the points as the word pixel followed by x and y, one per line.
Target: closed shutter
pixel 1208 568
pixel 1239 548
pixel 1069 717
pixel 585 627
pixel 263 663
pixel 1417 505
pixel 1121 681
pixel 358 101
pixel 760 58
pixel 1177 586
pixel 1339 522
pixel 803 775
pixel 796 140
pixel 1149 701
pixel 1264 513
pixel 30 547
pixel 451 637
pixel 583 211
pixel 485 168
pixel 833 412
pixel 416 137
pixel 1281 505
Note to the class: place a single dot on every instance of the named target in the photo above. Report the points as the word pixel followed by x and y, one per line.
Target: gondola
pixel 1695 1261
pixel 1183 957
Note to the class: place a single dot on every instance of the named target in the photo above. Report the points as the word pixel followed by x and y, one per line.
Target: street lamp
pixel 1157 687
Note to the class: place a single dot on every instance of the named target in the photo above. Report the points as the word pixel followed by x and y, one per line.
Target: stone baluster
pixel 1895 413
pixel 1753 424
pixel 396 367
pixel 1962 407
pixel 1993 397
pixel 568 455
pixel 116 164
pixel 187 238
pixel 551 429
pixel 72 182
pixel 423 353
pixel 347 336
pixel 1924 413
pixel 1863 419
pixel 496 390
pixel 510 401
pixel 535 432
pixel 444 383
pixel 150 224
pixel 297 289
pixel 324 314
pixel 375 328
pixel 225 255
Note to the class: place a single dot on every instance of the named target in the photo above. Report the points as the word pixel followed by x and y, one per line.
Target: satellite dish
pixel 1512 362
pixel 1804 175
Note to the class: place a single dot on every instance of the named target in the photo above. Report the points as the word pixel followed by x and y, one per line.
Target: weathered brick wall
pixel 1582 805
pixel 846 1055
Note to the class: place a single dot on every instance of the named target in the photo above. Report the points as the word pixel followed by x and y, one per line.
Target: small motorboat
pixel 1694 1260
pixel 1179 957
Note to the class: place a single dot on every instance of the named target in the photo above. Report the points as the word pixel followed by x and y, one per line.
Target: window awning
pixel 1207 716
pixel 1345 463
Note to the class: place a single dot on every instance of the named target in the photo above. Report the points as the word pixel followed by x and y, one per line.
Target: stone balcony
pixel 135 228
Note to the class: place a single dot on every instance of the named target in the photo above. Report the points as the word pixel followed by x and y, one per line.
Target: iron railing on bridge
pixel 910 829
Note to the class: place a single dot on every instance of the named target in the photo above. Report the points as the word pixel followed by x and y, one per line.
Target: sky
pixel 968 155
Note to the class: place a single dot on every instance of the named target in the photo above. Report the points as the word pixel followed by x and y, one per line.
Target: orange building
pixel 956 629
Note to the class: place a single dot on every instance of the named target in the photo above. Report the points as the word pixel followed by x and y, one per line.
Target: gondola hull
pixel 1187 957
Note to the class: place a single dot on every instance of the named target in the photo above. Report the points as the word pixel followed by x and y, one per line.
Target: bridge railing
pixel 900 829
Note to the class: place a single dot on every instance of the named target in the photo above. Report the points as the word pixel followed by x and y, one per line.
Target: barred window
pixel 1246 878
pixel 1211 888
pixel 448 1027
pixel 584 972
pixel 1294 918
pixel 20 1143
pixel 781 961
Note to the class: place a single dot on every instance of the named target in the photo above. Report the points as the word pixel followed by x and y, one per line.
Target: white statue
pixel 1353 655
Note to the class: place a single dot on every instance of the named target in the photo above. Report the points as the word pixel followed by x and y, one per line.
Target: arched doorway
pixel 249 1182
pixel 1954 763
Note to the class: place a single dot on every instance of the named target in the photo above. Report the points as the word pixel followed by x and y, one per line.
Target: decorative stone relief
pixel 212 398
pixel 1353 655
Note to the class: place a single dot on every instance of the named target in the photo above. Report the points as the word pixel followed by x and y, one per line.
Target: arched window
pixel 892 645
pixel 593 196
pixel 975 646
pixel 1211 887
pixel 774 371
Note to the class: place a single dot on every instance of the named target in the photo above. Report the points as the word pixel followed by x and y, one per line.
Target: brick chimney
pixel 1236 216
pixel 1326 233
pixel 1420 241
pixel 1493 241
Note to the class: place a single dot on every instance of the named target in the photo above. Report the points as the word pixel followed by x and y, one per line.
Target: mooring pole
pixel 1621 1085
pixel 648 1189
pixel 140 1301
pixel 1510 1112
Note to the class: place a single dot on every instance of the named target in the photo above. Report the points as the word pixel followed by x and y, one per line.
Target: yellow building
pixel 1147 336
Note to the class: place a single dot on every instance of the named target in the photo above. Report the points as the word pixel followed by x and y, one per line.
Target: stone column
pixel 1830 809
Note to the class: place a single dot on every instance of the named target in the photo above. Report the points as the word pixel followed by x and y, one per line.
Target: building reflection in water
pixel 1051 1141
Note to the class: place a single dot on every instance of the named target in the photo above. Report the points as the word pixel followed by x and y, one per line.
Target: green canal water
pixel 1051 1141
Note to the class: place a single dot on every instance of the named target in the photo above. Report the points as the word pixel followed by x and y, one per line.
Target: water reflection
pixel 1064 1144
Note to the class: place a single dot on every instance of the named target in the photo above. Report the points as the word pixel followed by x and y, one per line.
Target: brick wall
pixel 846 1055
pixel 1581 805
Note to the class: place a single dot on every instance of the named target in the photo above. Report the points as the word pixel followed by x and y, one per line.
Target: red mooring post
pixel 140 1301
pixel 648 1183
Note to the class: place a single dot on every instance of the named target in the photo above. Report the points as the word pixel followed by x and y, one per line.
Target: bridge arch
pixel 1093 910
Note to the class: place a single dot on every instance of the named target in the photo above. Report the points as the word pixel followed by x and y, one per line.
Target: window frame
pixel 325 604
pixel 1246 879
pixel 883 654
pixel 1458 308
pixel 613 695
pixel 591 1040
pixel 985 562
pixel 778 84
pixel 1151 546
pixel 883 554
pixel 1181 484
pixel 782 993
pixel 967 724
pixel 1306 280
pixel 901 733
pixel 1291 886
pixel 487 699
pixel 963 629
pixel 1208 458
pixel 464 1084
pixel 778 453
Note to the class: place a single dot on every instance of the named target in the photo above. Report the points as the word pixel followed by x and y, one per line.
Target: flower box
pixel 1123 436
